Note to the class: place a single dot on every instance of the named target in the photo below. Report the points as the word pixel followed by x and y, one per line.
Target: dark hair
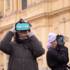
pixel 23 21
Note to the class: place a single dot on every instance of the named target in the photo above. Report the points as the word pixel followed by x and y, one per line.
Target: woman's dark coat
pixel 57 59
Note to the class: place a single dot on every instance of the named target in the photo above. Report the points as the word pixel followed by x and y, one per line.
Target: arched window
pixel 24 4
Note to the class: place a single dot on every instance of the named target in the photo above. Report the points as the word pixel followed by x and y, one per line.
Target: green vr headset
pixel 22 26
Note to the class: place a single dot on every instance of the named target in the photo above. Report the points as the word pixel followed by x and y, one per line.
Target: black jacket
pixel 57 59
pixel 22 56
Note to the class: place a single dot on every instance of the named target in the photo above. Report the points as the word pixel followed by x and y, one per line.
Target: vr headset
pixel 22 26
pixel 60 40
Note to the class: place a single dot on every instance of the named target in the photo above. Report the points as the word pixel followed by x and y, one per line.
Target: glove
pixel 30 34
pixel 13 29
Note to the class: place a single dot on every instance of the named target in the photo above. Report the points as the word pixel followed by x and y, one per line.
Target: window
pixel 24 4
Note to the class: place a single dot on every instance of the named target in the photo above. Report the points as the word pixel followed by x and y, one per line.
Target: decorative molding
pixel 5 27
pixel 64 20
pixel 50 14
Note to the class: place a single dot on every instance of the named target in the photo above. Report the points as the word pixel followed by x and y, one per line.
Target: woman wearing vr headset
pixel 24 49
pixel 57 54
pixel 62 50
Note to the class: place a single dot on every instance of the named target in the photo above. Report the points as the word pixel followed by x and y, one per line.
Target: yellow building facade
pixel 44 15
